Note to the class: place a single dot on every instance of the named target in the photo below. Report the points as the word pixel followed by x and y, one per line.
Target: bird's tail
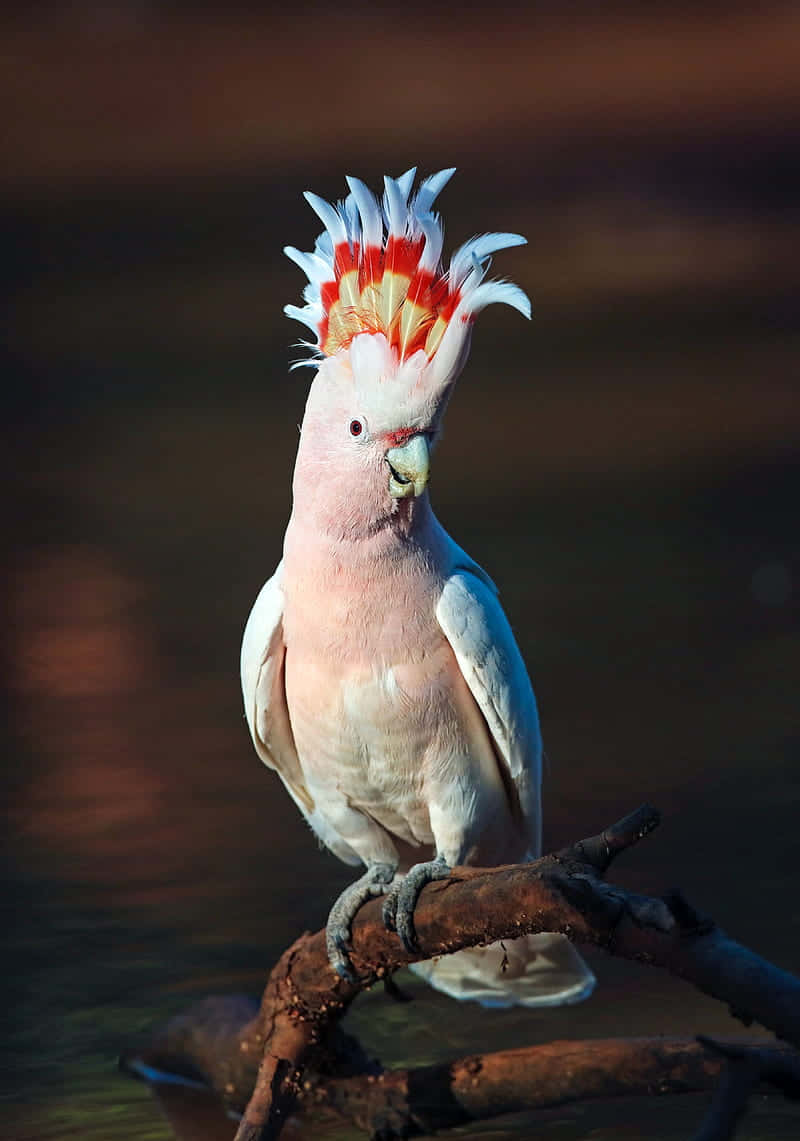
pixel 533 970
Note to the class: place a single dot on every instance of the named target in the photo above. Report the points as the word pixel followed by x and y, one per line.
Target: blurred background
pixel 640 516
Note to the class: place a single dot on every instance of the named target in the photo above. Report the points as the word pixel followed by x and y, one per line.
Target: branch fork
pixel 295 1033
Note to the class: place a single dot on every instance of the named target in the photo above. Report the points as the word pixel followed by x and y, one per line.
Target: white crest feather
pixel 376 269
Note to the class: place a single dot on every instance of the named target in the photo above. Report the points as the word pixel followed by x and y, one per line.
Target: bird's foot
pixel 401 899
pixel 375 881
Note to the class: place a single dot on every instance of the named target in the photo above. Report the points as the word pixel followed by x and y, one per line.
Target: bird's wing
pixel 474 624
pixel 262 665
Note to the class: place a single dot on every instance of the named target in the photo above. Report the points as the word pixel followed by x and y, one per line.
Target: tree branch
pixel 748 1065
pixel 564 892
pixel 404 1103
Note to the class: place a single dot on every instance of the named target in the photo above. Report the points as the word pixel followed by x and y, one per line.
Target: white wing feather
pixel 474 624
pixel 262 669
pixel 263 688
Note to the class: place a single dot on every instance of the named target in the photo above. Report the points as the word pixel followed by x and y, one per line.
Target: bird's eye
pixel 356 427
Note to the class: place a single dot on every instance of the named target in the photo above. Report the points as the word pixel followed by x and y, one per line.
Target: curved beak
pixel 409 467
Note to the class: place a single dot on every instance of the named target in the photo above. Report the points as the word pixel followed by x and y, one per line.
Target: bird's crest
pixel 377 268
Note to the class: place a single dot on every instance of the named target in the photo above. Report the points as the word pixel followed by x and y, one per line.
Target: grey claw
pixel 389 911
pixel 401 900
pixel 345 971
pixel 407 934
pixel 338 954
pixel 406 902
pixel 337 935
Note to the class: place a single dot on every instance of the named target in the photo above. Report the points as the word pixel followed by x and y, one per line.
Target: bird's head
pixel 392 331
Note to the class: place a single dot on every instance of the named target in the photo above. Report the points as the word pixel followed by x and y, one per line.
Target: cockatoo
pixel 381 678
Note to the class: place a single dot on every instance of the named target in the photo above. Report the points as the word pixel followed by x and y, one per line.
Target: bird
pixel 380 675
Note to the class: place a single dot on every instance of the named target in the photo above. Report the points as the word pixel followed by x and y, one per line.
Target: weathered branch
pixel 748 1066
pixel 304 996
pixel 405 1102
pixel 563 892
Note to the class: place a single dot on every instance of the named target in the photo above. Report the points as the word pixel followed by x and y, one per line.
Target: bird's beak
pixel 409 467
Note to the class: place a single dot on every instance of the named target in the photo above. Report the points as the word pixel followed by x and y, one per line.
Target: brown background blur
pixel 640 515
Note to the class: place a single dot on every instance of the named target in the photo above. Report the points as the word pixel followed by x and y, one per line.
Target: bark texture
pixel 280 1052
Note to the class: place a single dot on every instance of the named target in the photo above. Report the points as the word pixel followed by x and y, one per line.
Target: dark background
pixel 640 514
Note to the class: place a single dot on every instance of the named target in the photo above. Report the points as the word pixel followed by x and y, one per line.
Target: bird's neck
pixel 327 541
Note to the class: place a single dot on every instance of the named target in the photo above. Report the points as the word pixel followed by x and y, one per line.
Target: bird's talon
pixel 408 937
pixel 345 972
pixel 339 958
pixel 389 912
pixel 337 940
pixel 404 900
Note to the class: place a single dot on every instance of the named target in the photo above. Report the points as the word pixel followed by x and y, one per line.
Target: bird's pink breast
pixel 383 720
pixel 369 685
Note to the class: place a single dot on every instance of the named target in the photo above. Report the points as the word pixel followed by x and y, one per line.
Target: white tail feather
pixel 534 970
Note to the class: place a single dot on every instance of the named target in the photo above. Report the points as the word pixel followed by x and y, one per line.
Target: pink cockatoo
pixel 380 675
